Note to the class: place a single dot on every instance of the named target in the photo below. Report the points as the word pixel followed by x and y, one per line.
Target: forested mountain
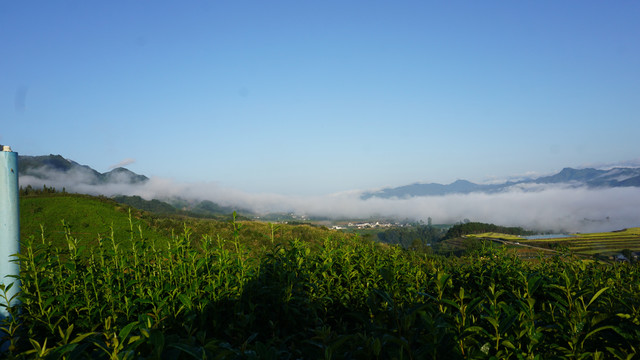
pixel 56 166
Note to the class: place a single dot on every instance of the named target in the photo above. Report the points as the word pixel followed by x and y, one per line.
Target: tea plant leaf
pixel 507 344
pixel 185 300
pixel 81 337
pixel 472 331
pixel 596 295
pixel 124 332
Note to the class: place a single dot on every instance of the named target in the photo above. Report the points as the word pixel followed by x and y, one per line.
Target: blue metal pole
pixel 9 224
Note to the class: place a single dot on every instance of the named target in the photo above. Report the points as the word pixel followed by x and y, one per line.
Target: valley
pixel 123 277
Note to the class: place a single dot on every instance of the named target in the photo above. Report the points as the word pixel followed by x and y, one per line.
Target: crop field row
pixel 215 297
pixel 608 247
pixel 629 244
pixel 611 243
pixel 585 240
pixel 634 232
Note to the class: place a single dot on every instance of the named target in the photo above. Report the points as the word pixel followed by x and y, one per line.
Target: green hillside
pixel 85 217
pixel 89 218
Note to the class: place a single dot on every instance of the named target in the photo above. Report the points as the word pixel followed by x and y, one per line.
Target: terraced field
pixel 590 244
pixel 605 244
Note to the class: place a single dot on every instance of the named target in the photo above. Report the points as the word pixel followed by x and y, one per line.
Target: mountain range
pixel 44 167
pixel 589 177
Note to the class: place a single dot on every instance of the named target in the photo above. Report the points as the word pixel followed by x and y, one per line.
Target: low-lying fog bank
pixel 557 207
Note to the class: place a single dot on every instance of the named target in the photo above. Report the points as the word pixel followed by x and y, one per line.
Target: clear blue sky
pixel 316 97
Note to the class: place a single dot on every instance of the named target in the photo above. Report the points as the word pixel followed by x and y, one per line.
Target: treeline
pixel 460 230
pixel 154 206
pixel 415 237
pixel 203 210
pixel 30 190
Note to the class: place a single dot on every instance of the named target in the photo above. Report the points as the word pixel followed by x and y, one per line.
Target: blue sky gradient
pixel 317 97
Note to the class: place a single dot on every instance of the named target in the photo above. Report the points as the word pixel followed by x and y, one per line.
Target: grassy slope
pixel 495 235
pixel 90 217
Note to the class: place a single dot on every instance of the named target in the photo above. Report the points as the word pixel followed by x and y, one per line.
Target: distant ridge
pixel 589 177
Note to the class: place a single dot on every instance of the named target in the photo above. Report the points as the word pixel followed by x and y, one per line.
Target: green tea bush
pixel 339 297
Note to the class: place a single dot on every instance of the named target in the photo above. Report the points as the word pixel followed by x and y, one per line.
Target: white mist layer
pixel 558 207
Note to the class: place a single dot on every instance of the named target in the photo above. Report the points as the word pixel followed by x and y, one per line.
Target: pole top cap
pixel 5 148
